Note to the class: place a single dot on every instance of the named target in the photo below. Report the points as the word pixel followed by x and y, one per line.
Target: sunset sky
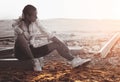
pixel 81 9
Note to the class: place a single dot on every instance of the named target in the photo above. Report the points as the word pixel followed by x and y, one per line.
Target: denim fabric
pixel 25 51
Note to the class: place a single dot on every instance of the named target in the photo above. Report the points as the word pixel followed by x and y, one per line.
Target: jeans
pixel 24 51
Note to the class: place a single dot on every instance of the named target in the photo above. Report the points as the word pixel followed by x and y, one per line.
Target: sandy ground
pixel 56 70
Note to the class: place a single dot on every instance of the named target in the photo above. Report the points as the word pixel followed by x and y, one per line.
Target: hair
pixel 28 9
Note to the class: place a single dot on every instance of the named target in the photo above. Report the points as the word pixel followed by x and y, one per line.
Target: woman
pixel 27 30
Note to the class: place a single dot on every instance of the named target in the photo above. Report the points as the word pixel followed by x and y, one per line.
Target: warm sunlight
pixel 83 9
pixel 92 9
pixel 71 41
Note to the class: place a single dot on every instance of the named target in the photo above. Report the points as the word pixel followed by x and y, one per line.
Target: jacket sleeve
pixel 16 28
pixel 48 33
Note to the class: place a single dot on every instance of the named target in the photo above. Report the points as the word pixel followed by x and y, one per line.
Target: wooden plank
pixel 9 38
pixel 14 63
pixel 75 50
pixel 6 52
pixel 108 46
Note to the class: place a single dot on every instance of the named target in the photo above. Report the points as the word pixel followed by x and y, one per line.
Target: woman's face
pixel 32 16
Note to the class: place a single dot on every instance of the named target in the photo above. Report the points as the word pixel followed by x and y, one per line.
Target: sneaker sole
pixel 83 63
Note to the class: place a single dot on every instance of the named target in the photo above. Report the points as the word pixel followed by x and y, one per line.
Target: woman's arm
pixel 44 30
pixel 18 29
pixel 50 35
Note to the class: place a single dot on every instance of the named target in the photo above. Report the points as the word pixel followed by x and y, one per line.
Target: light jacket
pixel 37 35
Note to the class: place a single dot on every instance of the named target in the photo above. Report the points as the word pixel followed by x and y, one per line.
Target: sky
pixel 49 9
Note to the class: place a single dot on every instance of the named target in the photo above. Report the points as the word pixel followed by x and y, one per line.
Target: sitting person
pixel 27 29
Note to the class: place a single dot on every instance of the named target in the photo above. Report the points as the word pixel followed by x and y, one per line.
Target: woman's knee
pixel 21 38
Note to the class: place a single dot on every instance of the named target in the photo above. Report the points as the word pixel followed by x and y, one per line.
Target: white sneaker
pixel 77 61
pixel 41 60
pixel 36 65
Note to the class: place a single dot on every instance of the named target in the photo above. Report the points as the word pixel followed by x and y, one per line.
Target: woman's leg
pixel 23 52
pixel 56 45
pixel 40 51
pixel 61 48
pixel 22 49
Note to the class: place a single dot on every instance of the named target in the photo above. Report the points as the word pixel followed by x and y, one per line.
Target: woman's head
pixel 30 13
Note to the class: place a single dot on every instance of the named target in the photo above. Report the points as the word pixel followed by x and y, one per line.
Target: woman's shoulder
pixel 17 22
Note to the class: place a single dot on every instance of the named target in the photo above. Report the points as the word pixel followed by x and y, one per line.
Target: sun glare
pixel 92 9
pixel 83 9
